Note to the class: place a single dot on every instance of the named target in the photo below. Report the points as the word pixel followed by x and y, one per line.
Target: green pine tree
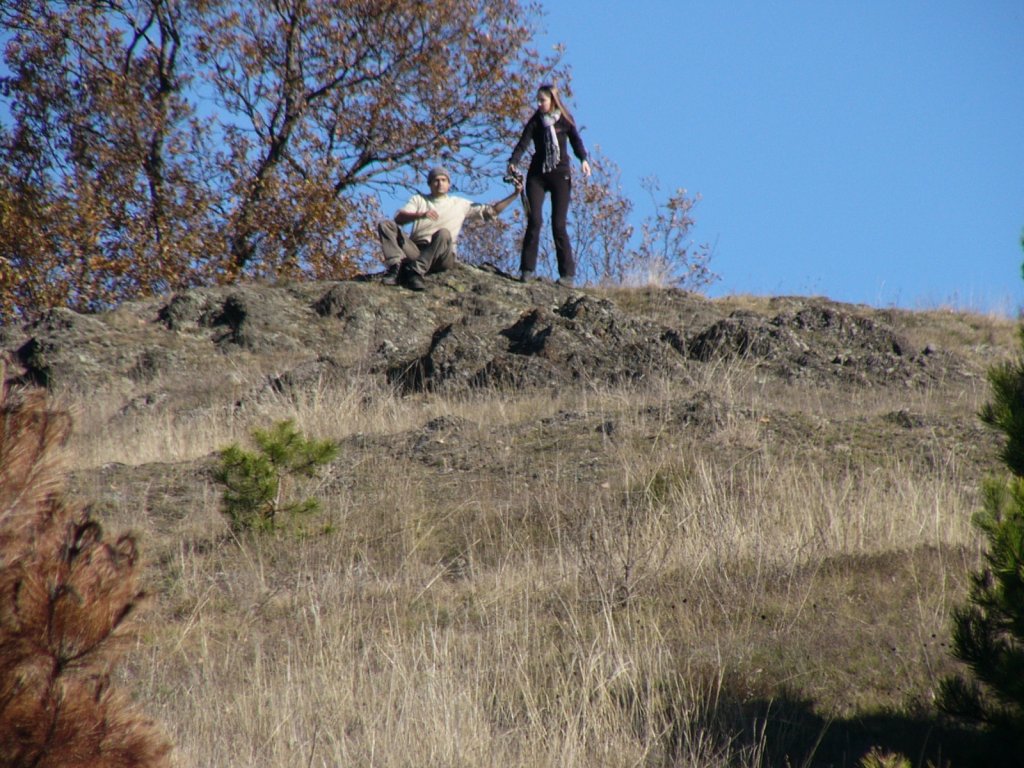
pixel 254 495
pixel 988 633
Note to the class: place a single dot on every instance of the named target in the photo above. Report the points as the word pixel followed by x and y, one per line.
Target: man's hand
pixel 585 167
pixel 406 217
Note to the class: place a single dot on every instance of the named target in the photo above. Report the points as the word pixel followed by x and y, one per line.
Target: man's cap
pixel 438 171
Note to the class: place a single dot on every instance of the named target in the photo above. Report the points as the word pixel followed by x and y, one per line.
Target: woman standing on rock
pixel 550 128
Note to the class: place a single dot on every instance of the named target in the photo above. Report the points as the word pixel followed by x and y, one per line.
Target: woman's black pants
pixel 559 184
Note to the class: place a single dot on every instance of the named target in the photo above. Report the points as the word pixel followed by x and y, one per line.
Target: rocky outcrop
pixel 472 327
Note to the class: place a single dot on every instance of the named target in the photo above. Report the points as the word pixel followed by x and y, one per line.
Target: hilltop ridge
pixel 474 328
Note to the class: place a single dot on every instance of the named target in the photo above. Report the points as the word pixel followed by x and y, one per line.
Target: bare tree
pixel 494 242
pixel 600 228
pixel 666 254
pixel 610 251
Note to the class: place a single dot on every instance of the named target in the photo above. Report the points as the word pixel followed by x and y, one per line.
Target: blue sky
pixel 871 152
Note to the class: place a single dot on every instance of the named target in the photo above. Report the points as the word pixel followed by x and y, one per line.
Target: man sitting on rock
pixel 436 221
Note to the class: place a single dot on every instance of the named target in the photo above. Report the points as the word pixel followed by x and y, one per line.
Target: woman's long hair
pixel 556 101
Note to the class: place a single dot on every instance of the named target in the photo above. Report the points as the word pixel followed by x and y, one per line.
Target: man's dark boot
pixel 391 275
pixel 407 276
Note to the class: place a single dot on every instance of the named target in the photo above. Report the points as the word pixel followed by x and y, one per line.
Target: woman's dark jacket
pixel 534 130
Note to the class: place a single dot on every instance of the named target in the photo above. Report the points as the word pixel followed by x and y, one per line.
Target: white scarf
pixel 551 152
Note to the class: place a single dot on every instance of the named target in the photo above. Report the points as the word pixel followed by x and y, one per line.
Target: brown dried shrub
pixel 65 596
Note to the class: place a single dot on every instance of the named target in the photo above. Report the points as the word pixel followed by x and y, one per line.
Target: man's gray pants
pixel 422 257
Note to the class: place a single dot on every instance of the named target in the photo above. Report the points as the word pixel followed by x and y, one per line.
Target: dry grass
pixel 569 579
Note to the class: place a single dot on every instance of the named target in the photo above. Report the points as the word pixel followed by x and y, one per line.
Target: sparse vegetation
pixel 738 564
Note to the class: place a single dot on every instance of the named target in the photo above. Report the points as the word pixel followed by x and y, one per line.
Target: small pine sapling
pixel 255 484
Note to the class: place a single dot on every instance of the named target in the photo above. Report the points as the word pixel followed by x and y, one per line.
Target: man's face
pixel 439 185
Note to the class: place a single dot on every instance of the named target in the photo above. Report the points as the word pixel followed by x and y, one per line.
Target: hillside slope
pixel 565 527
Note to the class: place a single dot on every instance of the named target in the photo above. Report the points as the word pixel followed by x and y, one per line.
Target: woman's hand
pixel 586 168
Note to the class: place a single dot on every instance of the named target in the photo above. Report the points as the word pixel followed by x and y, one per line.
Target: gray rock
pixel 472 327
